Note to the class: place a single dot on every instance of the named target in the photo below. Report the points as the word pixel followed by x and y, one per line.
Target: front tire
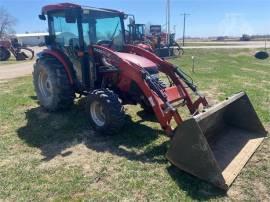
pixel 106 113
pixel 52 86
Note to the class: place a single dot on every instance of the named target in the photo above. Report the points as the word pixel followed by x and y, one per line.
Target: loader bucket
pixel 216 144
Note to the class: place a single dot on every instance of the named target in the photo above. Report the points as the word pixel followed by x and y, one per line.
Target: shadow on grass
pixel 194 187
pixel 53 133
pixel 146 116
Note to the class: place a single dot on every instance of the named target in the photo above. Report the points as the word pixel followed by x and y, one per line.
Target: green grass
pixel 56 156
pixel 207 44
pixel 11 60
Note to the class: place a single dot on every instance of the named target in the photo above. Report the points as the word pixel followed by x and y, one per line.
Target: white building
pixel 31 39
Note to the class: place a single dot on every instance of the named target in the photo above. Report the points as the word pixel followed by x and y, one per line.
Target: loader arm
pixel 177 76
pixel 161 100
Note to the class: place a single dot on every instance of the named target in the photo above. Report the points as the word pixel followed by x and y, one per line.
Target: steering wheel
pixel 105 42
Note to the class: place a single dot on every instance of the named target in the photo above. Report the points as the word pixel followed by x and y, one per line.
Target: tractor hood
pixel 138 60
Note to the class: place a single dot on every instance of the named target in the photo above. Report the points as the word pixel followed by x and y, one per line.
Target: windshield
pixel 101 26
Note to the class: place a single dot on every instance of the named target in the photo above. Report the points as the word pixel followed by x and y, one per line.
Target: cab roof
pixel 65 6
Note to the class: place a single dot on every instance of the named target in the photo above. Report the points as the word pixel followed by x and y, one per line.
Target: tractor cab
pixel 136 32
pixel 74 29
pixel 76 26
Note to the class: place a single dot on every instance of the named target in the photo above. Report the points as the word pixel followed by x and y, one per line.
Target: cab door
pixel 67 28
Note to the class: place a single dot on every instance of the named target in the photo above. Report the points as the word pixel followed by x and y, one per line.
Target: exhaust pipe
pixel 216 144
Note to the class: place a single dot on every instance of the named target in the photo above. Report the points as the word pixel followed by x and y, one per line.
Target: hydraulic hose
pixel 186 78
pixel 154 86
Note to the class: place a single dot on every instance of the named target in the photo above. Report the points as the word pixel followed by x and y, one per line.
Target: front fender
pixel 63 60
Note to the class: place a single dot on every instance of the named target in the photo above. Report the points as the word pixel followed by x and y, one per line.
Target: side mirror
pixel 42 17
pixel 131 21
pixel 49 39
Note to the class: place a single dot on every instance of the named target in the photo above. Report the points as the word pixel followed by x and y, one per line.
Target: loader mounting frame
pixel 162 105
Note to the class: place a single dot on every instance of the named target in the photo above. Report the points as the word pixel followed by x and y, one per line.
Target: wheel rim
pixel 97 113
pixel 44 84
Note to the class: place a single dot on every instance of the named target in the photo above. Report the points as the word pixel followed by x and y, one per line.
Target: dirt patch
pixel 100 168
pixel 242 53
pixel 254 70
pixel 265 81
pixel 3 81
pixel 212 95
pixel 12 71
pixel 236 192
pixel 213 61
pixel 77 154
pixel 238 77
pixel 262 193
pixel 3 129
pixel 253 180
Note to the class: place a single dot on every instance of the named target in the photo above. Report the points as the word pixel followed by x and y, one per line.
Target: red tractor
pixel 87 55
pixel 12 46
pixel 156 41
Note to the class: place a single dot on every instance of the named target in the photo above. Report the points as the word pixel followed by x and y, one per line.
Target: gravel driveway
pixel 11 71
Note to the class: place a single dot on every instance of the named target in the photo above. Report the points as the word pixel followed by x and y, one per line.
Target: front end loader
pixel 86 56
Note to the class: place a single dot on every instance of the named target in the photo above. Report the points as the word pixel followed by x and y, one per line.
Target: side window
pixel 66 33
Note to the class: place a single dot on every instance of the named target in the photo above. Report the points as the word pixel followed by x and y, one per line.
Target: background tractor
pixel 156 41
pixel 87 55
pixel 8 47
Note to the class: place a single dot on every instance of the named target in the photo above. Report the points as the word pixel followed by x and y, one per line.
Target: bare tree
pixel 7 22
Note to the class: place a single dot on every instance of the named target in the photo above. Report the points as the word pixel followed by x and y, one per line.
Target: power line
pixel 184 26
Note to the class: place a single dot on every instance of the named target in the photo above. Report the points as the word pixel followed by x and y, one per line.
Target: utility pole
pixel 184 27
pixel 168 19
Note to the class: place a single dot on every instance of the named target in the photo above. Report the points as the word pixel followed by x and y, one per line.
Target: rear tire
pixel 4 54
pixel 106 113
pixel 52 86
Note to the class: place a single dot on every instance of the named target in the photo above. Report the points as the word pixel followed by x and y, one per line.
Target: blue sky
pixel 208 17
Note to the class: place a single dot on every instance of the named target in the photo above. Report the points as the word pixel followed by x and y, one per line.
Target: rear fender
pixel 127 74
pixel 63 60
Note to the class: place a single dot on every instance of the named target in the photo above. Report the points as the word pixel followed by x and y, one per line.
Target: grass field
pixel 58 157
pixel 207 44
pixel 11 60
